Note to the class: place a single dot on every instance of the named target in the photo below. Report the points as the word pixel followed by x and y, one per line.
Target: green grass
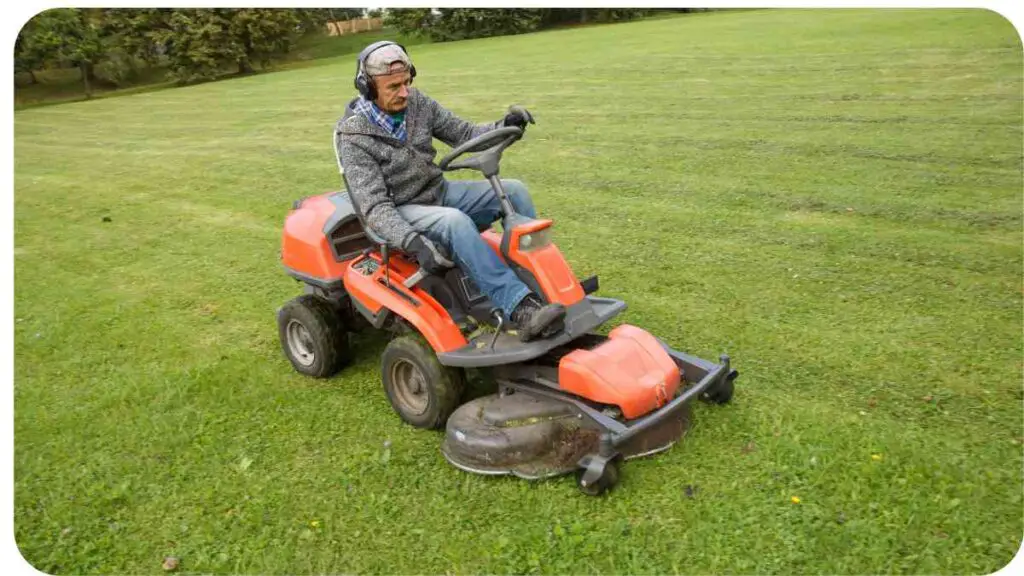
pixel 63 85
pixel 831 197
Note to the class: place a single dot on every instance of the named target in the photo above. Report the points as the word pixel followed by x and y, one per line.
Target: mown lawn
pixel 831 197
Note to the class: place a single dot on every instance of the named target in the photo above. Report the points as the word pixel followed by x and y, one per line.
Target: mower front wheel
pixel 720 392
pixel 597 475
pixel 421 390
pixel 313 336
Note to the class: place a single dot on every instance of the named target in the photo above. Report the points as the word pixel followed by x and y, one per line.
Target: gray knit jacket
pixel 381 172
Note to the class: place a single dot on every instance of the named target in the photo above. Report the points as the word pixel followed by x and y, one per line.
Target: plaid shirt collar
pixel 381 118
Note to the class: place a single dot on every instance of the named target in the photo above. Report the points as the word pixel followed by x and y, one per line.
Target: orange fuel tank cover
pixel 629 370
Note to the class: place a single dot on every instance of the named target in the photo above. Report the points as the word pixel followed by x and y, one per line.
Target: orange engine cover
pixel 305 247
pixel 629 370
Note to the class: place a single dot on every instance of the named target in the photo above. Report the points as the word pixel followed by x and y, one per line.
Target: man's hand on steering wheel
pixel 517 116
pixel 490 145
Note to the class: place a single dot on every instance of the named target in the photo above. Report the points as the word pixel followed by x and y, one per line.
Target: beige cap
pixel 387 60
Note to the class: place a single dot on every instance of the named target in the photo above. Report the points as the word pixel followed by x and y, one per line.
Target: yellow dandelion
pixel 876 457
pixel 794 500
pixel 315 523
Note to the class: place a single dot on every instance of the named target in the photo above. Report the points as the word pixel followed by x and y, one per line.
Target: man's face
pixel 393 91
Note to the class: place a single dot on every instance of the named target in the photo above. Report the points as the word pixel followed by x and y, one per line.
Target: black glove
pixel 517 116
pixel 430 257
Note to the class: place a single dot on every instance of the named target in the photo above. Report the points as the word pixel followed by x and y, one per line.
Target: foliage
pixel 117 68
pixel 201 44
pixel 557 16
pixel 65 36
pixel 445 24
pixel 411 21
pixel 135 32
pixel 30 51
pixel 462 23
pixel 260 34
pixel 197 43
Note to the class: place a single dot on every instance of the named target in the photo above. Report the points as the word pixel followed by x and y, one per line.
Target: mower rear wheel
pixel 421 390
pixel 313 336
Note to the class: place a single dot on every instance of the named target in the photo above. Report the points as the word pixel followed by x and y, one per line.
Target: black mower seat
pixel 381 243
pixel 373 236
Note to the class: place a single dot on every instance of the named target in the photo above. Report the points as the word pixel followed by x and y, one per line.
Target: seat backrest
pixel 349 111
pixel 336 136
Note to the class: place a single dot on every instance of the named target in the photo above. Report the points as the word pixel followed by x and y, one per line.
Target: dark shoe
pixel 533 318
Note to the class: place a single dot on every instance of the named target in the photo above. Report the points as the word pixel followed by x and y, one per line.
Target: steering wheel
pixel 489 144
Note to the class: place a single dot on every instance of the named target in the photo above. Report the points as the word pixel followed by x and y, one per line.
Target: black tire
pixel 719 393
pixel 608 479
pixel 422 391
pixel 313 336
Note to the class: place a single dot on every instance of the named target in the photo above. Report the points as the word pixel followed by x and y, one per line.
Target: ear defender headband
pixel 364 84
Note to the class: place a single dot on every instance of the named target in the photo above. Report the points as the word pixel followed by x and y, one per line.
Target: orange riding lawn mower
pixel 578 401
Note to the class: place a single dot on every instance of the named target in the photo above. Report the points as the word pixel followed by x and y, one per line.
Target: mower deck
pixel 532 429
pixel 534 438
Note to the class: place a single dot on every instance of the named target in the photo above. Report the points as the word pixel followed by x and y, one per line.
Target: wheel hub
pixel 410 386
pixel 300 343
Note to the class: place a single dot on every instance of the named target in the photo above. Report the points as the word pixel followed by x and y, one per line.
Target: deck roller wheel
pixel 597 474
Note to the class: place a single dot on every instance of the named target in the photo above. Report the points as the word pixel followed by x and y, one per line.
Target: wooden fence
pixel 350 26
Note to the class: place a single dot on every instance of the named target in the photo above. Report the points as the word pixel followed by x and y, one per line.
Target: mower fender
pixel 374 293
pixel 552 273
pixel 305 248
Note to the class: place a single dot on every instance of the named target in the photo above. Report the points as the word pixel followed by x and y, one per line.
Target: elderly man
pixel 385 144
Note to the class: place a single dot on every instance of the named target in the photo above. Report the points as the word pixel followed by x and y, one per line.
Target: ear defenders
pixel 364 84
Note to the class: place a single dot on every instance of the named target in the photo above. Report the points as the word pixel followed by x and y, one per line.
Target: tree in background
pixel 30 52
pixel 63 36
pixel 447 24
pixel 195 44
pixel 135 31
pixel 200 44
pixel 462 23
pixel 260 34
pixel 411 21
pixel 130 36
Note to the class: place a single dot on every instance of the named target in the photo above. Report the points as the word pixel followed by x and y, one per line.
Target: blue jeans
pixel 465 207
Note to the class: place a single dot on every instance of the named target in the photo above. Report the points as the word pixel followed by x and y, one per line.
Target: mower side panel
pixel 370 288
pixel 630 370
pixel 554 275
pixel 493 240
